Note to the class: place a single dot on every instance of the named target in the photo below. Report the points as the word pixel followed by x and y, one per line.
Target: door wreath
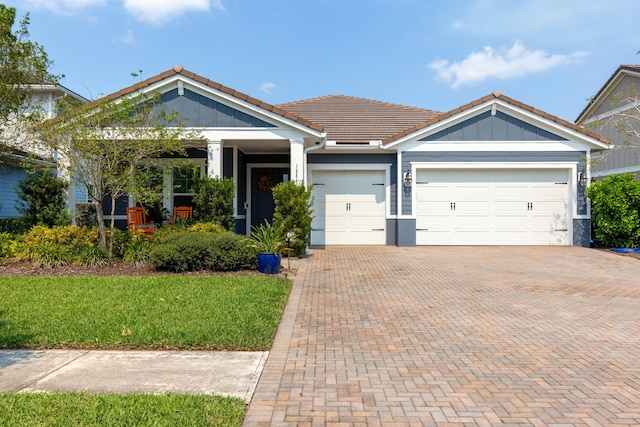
pixel 265 183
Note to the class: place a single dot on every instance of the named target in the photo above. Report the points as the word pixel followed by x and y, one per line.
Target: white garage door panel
pixel 482 207
pixel 350 207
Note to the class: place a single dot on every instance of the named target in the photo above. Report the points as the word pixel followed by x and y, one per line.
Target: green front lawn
pixel 152 312
pixel 83 409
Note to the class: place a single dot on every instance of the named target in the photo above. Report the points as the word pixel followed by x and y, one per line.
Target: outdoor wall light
pixel 407 178
pixel 582 179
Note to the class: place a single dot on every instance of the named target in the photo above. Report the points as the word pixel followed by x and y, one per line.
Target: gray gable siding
pixel 501 127
pixel 497 157
pixel 199 111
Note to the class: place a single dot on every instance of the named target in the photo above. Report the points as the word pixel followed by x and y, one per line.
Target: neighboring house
pixel 494 171
pixel 618 99
pixel 45 99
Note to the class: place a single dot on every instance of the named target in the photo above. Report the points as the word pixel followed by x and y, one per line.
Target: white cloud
pixel 502 64
pixel 267 87
pixel 458 25
pixel 159 11
pixel 63 6
pixel 128 38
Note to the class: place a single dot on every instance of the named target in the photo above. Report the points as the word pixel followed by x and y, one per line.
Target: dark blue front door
pixel 262 181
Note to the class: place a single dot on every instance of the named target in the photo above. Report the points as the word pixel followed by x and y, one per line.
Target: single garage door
pixel 349 208
pixel 492 207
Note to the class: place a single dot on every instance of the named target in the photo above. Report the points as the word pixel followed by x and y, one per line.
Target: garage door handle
pixel 377 229
pixel 561 229
pixel 422 229
pixel 317 229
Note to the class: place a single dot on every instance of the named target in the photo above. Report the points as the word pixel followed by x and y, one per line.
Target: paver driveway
pixel 456 336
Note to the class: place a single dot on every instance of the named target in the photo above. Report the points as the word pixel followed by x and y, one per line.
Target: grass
pixel 154 312
pixel 83 409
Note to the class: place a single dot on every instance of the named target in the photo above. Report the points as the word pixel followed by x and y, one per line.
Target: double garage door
pixel 349 207
pixel 492 207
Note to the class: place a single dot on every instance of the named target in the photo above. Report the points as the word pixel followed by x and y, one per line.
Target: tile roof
pixel 179 70
pixel 621 69
pixel 356 120
pixel 492 96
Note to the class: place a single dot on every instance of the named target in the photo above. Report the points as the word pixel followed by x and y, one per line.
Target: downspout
pixel 306 151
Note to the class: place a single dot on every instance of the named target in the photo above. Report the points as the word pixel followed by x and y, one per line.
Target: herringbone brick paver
pixel 456 336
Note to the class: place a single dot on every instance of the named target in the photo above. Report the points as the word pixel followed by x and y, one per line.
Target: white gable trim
pixel 507 108
pixel 604 94
pixel 175 81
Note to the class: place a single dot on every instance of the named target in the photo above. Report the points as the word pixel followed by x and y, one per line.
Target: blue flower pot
pixel 269 263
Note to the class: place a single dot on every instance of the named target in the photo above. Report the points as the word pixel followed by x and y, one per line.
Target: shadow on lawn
pixel 12 344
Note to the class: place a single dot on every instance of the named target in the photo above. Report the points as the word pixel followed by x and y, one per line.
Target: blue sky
pixel 551 54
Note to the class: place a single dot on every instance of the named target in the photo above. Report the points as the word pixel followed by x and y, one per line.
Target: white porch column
pixel 296 153
pixel 214 158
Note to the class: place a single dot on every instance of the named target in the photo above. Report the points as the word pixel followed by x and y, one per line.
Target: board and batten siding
pixel 498 127
pixel 200 111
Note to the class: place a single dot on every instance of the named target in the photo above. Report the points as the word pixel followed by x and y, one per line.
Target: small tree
pixel 23 63
pixel 213 201
pixel 105 145
pixel 615 211
pixel 293 212
pixel 42 199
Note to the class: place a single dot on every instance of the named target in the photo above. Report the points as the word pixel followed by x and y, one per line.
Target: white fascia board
pixel 244 106
pixel 551 126
pixel 245 133
pixel 629 169
pixel 605 94
pixel 524 115
pixel 515 146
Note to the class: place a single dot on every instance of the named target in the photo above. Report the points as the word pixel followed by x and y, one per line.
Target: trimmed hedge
pixel 194 251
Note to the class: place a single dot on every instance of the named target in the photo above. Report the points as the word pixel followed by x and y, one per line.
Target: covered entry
pixel 492 207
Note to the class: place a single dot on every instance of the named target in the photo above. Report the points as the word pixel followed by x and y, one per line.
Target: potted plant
pixel 269 241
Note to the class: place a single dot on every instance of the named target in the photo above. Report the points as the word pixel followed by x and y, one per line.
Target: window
pixel 184 179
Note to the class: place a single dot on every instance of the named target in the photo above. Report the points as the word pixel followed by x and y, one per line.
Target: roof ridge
pixel 355 98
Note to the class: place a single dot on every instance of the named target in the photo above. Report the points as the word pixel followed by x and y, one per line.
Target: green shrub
pixel 293 212
pixel 43 199
pixel 137 253
pixel 7 245
pixel 615 211
pixel 193 251
pixel 231 253
pixel 207 227
pixel 13 225
pixel 181 251
pixel 48 254
pixel 213 201
pixel 86 215
pixel 89 256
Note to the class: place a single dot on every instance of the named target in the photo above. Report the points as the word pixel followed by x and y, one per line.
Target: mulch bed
pixel 12 267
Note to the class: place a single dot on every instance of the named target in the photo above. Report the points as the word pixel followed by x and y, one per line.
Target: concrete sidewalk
pixel 232 373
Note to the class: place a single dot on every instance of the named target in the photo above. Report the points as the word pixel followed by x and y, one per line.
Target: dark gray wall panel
pixel 391 229
pixel 406 232
pixel 199 111
pixel 501 127
pixel 364 158
pixel 582 232
pixel 227 162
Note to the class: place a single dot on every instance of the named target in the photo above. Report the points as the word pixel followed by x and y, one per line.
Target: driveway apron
pixel 458 336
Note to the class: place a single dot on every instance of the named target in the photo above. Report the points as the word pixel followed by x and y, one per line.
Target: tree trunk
pixel 113 224
pixel 101 228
